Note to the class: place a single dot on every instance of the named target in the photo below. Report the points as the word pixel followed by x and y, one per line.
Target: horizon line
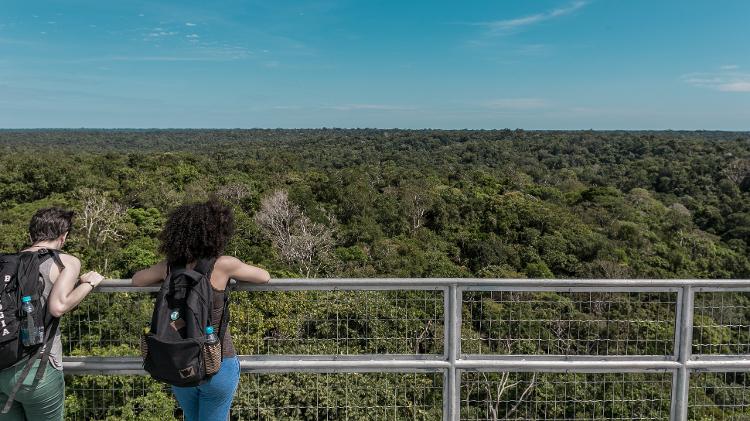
pixel 361 128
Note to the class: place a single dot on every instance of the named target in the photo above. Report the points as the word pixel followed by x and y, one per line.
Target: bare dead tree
pixel 529 388
pixel 494 397
pixel 234 192
pixel 100 217
pixel 304 244
pixel 418 210
pixel 737 170
pixel 608 269
pixel 417 201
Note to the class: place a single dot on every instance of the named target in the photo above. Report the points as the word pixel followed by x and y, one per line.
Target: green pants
pixel 44 403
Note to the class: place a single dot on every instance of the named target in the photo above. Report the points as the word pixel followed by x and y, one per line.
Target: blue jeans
pixel 213 399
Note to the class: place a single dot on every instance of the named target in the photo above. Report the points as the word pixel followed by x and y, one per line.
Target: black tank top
pixel 227 347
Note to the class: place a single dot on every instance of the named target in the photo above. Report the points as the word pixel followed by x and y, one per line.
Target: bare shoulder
pixel 150 275
pixel 227 263
pixel 235 268
pixel 72 265
pixel 160 267
pixel 70 261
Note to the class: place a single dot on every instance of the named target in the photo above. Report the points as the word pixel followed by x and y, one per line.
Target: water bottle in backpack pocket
pixel 32 333
pixel 212 351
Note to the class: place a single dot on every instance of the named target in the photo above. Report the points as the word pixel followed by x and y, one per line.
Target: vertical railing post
pixel 684 349
pixel 452 378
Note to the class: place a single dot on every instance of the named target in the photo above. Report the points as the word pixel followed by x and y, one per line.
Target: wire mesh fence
pixel 541 325
pixel 274 323
pixel 293 396
pixel 565 396
pixel 719 396
pixel 721 323
pixel 568 323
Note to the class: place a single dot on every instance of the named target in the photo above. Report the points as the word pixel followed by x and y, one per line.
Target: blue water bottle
pixel 211 337
pixel 31 334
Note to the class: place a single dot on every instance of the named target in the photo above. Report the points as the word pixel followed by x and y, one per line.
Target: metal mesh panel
pixel 305 322
pixel 117 398
pixel 308 396
pixel 719 396
pixel 107 324
pixel 721 323
pixel 565 396
pixel 577 323
pixel 339 322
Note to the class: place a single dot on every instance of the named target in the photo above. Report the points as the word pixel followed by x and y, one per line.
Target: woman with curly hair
pixel 195 232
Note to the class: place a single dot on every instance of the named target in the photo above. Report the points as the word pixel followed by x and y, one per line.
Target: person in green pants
pixel 63 290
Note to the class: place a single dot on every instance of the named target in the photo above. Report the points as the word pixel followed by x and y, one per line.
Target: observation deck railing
pixel 490 343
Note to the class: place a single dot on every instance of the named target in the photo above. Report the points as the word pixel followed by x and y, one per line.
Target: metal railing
pixel 669 307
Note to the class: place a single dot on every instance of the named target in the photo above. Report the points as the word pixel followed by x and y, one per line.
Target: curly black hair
pixel 196 231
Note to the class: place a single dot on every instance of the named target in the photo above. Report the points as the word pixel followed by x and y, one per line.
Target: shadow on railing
pixel 464 348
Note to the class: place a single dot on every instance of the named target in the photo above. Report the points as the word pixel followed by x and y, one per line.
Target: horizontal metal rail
pixel 453 361
pixel 467 284
pixel 367 363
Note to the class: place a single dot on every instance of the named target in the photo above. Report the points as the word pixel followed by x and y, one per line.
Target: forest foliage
pixel 390 203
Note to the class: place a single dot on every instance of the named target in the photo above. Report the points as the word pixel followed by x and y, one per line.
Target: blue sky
pixel 557 64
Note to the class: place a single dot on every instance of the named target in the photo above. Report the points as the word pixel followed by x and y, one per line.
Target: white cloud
pixel 377 107
pixel 516 103
pixel 735 87
pixel 286 107
pixel 728 79
pixel 508 25
pixel 162 34
pixel 189 24
pixel 161 58
pixel 192 36
pixel 12 41
pixel 341 107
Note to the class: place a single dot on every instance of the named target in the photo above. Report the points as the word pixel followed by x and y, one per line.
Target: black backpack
pixel 19 276
pixel 175 350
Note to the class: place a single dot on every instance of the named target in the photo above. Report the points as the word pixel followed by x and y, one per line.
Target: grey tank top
pixel 55 354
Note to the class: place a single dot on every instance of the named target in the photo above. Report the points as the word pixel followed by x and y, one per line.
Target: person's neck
pixel 48 244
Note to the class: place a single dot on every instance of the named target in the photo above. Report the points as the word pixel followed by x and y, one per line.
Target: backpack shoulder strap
pixel 45 254
pixel 205 266
pixel 55 256
pixel 28 270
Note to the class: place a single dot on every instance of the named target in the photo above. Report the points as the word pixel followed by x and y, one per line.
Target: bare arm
pixel 151 275
pixel 236 269
pixel 65 294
